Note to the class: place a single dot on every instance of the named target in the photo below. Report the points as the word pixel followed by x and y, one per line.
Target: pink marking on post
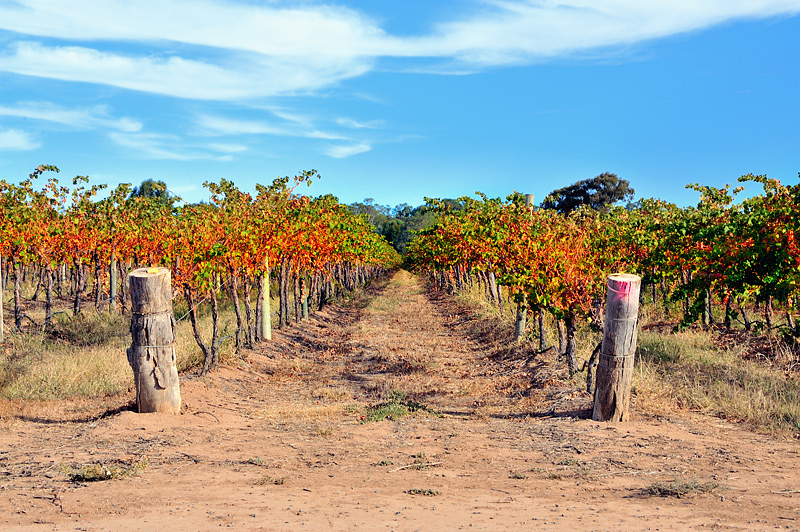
pixel 623 294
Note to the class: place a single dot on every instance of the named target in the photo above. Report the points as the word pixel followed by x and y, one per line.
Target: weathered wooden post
pixel 2 288
pixel 152 353
pixel 112 289
pixel 266 311
pixel 615 369
pixel 522 305
pixel 304 297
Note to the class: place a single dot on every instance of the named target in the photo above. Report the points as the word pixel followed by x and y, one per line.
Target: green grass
pixel 397 406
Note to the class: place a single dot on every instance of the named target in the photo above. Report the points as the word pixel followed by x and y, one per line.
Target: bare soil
pixel 280 442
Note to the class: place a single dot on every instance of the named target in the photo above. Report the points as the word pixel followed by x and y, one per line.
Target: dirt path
pixel 279 444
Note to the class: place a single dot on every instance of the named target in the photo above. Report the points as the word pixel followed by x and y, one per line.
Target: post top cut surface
pixel 149 272
pixel 624 277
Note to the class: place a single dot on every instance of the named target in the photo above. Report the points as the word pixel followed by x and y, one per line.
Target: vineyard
pixel 61 236
pixel 717 262
pixel 438 389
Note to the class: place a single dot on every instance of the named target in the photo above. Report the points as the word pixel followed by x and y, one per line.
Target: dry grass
pixel 267 480
pixel 84 356
pixel 500 324
pixel 332 393
pixel 45 366
pixel 294 412
pixel 103 471
pixel 685 370
pixel 679 488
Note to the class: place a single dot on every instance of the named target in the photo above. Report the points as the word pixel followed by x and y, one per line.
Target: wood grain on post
pixel 152 353
pixel 615 368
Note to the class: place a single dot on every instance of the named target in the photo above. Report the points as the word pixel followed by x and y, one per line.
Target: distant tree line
pixel 398 224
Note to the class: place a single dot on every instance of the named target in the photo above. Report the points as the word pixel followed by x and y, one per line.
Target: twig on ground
pixel 416 464
pixel 204 412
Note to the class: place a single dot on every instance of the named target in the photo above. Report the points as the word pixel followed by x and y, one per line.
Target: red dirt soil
pixel 279 443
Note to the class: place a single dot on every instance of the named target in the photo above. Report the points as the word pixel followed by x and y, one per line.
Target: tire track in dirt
pixel 403 343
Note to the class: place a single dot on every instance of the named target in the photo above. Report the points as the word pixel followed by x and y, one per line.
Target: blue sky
pixel 400 100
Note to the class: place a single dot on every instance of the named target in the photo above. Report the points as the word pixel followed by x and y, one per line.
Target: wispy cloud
pixel 342 152
pixel 264 29
pixel 227 148
pixel 241 78
pixel 354 124
pixel 243 51
pixel 508 31
pixel 16 140
pixel 169 147
pixel 95 117
pixel 218 126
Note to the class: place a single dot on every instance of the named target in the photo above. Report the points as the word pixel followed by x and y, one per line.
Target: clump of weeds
pixel 267 480
pixel 425 492
pixel 100 471
pixel 398 405
pixel 679 488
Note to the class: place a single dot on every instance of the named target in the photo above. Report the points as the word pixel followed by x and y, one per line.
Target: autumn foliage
pixel 229 244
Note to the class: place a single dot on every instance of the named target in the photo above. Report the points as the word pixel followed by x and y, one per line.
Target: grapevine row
pixel 736 252
pixel 315 248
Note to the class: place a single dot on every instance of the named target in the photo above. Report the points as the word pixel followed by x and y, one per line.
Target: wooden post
pixel 522 306
pixel 2 288
pixel 304 297
pixel 615 368
pixel 266 312
pixel 112 291
pixel 519 325
pixel 152 353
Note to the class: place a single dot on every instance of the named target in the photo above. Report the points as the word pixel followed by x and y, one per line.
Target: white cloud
pixel 217 125
pixel 227 148
pixel 342 152
pixel 95 117
pixel 241 78
pixel 354 124
pixel 298 32
pixel 234 50
pixel 168 147
pixel 14 139
pixel 524 30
